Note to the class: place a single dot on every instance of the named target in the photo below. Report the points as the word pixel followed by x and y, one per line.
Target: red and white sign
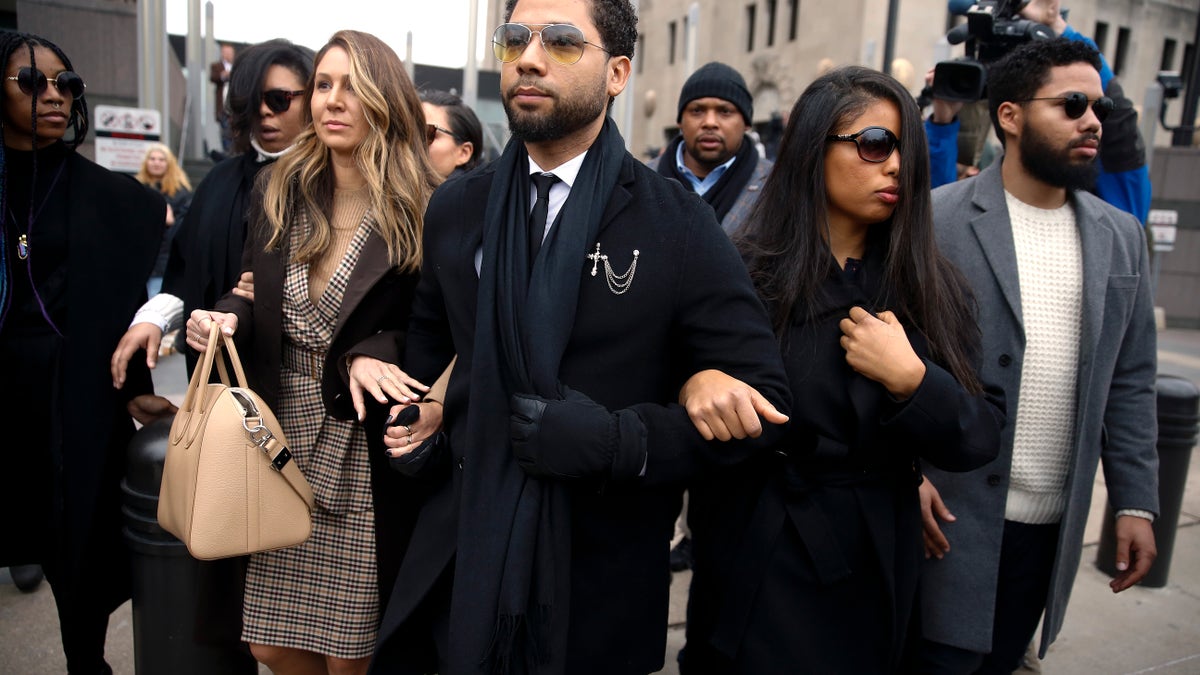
pixel 123 135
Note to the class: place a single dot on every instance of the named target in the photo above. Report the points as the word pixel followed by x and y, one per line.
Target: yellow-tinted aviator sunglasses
pixel 563 42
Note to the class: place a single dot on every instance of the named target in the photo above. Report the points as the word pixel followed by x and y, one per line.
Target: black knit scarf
pixel 512 578
pixel 725 193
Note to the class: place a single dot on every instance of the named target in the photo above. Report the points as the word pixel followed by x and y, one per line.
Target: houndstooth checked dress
pixel 320 596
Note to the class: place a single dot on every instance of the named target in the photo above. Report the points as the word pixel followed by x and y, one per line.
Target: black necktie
pixel 540 213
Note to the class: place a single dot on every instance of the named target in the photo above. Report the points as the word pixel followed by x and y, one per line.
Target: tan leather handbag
pixel 230 486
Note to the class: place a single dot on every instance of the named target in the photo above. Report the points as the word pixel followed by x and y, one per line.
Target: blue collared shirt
pixel 700 185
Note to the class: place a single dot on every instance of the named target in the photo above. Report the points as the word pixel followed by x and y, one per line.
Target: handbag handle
pixel 200 378
pixel 232 353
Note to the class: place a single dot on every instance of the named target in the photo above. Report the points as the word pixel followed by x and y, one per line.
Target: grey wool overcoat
pixel 1114 402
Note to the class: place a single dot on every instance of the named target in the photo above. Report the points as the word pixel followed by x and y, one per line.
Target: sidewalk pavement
pixel 1143 630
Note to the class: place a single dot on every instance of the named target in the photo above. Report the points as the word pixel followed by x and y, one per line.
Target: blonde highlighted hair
pixel 173 180
pixel 393 159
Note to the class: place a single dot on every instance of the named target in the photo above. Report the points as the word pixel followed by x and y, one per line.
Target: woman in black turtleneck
pixel 266 113
pixel 76 248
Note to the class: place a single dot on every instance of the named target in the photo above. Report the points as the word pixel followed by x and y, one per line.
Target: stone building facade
pixel 780 46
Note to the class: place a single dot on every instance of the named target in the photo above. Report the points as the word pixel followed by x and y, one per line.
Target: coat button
pixel 1005 360
pixel 461 461
pixel 994 479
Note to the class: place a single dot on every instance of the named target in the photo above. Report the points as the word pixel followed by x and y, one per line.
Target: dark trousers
pixel 1026 561
pixel 34 528
pixel 83 622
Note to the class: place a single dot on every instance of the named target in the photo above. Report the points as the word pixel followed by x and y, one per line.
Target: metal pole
pixel 470 86
pixel 408 62
pixel 889 39
pixel 623 108
pixel 1150 107
pixel 195 81
pixel 152 71
pixel 211 134
pixel 693 36
pixel 1187 120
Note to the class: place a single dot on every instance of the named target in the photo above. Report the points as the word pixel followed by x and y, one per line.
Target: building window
pixel 1101 35
pixel 751 13
pixel 641 52
pixel 671 43
pixel 1168 55
pixel 771 4
pixel 1187 64
pixel 793 19
pixel 1118 64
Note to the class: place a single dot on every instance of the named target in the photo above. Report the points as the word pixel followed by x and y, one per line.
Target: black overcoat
pixel 807 559
pixel 113 230
pixel 690 306
pixel 206 248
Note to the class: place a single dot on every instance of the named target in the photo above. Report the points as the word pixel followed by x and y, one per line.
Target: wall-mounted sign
pixel 123 135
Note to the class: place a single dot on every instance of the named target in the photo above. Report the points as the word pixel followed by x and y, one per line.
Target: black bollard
pixel 1178 419
pixel 165 575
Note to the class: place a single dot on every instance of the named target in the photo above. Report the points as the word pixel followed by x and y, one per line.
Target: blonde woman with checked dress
pixel 335 253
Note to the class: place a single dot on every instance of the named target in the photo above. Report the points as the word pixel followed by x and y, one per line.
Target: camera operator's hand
pixel 1046 12
pixel 943 111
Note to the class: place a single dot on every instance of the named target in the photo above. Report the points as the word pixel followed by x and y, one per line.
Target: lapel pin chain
pixel 617 283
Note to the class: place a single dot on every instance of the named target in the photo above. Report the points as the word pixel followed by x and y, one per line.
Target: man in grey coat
pixel 1063 290
pixel 712 155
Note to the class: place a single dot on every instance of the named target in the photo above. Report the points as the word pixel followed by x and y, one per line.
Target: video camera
pixel 992 29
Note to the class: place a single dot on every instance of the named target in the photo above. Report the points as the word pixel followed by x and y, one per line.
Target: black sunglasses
pixel 279 100
pixel 34 82
pixel 875 144
pixel 431 132
pixel 563 42
pixel 1075 104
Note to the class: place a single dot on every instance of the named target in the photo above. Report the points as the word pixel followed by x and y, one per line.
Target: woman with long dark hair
pixel 456 139
pixel 266 114
pixel 335 247
pixel 807 559
pixel 76 248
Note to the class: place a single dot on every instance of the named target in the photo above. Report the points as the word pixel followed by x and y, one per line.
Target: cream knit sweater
pixel 1049 265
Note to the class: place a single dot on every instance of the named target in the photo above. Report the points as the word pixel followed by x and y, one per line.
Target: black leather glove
pixel 576 438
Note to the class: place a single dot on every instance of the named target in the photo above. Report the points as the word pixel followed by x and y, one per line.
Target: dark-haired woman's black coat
pixel 66 429
pixel 206 248
pixel 806 561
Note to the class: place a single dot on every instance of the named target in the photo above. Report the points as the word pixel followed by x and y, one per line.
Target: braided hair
pixel 10 42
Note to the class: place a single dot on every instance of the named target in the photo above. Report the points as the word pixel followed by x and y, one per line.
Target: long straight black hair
pixel 786 239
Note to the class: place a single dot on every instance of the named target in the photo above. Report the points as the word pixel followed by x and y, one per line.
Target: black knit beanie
pixel 718 81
